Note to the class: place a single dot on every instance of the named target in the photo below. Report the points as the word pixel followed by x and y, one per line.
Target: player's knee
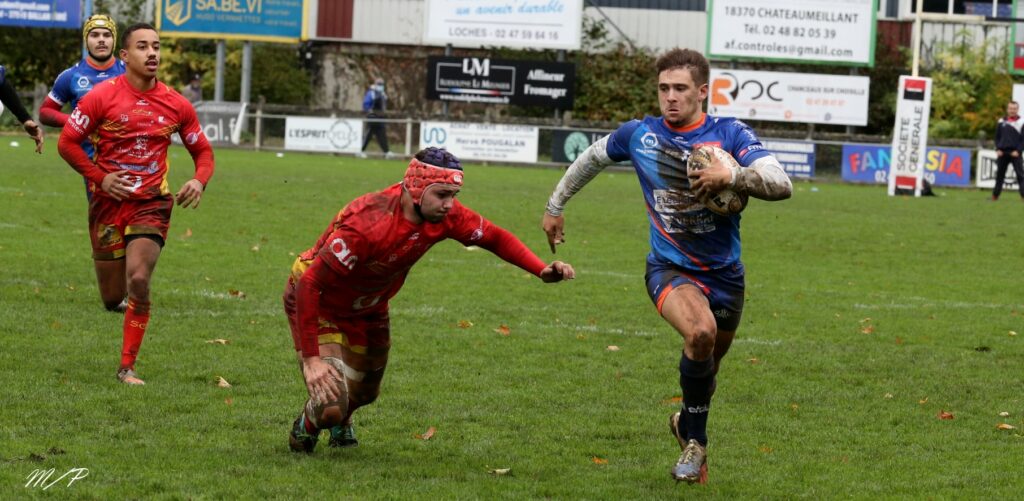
pixel 365 396
pixel 138 286
pixel 331 416
pixel 702 340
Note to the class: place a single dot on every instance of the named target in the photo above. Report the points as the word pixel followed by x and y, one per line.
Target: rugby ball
pixel 726 202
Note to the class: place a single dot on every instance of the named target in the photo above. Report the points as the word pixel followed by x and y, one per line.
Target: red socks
pixel 136 317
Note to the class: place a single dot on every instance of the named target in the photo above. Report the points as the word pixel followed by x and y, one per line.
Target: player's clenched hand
pixel 553 226
pixel 716 177
pixel 557 271
pixel 321 379
pixel 117 184
pixel 190 194
pixel 35 132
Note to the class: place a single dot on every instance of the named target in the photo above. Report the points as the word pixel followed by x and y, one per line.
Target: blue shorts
pixel 723 288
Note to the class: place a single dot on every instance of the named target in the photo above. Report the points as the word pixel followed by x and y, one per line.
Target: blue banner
pixel 869 163
pixel 257 20
pixel 796 157
pixel 41 13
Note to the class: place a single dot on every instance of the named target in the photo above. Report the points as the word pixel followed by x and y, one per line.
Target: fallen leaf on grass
pixel 1004 426
pixel 899 340
pixel 218 341
pixel 753 360
pixel 223 383
pixel 500 471
pixel 229 401
pixel 673 400
pixel 612 347
pixel 765 449
pixel 923 401
pixel 187 234
pixel 236 293
pixel 888 395
pixel 465 324
pixel 945 415
pixel 1004 414
pixel 255 248
pixel 426 436
pixel 503 329
pixel 580 337
pixel 868 329
pixel 599 460
pixel 794 407
pixel 1013 333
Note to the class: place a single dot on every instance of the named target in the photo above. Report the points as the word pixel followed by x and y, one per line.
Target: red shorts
pixel 111 221
pixel 366 334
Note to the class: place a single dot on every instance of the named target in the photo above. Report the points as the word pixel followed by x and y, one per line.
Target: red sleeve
pixel 312 284
pixel 474 229
pixel 335 260
pixel 50 113
pixel 198 146
pixel 83 121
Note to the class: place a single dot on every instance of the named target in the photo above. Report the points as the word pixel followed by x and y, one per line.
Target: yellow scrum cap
pixel 100 21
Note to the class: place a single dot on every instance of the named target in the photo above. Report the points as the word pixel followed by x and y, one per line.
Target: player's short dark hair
pixel 132 29
pixel 439 157
pixel 689 59
pixel 1013 102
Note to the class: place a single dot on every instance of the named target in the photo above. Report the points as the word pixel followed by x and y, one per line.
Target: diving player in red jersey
pixel 134 116
pixel 337 295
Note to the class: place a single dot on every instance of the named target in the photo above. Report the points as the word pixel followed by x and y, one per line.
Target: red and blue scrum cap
pixel 440 167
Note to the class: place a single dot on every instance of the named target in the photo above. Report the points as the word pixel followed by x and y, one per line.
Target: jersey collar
pixel 687 128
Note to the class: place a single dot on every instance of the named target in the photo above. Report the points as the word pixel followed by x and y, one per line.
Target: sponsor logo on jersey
pixel 649 140
pixel 340 249
pixel 83 82
pixel 721 313
pixel 142 102
pixel 191 138
pixel 124 118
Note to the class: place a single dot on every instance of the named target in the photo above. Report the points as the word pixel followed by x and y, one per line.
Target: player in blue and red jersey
pixel 694 274
pixel 338 294
pixel 99 64
pixel 133 117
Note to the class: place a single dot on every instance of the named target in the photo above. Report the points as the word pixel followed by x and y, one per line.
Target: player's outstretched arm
pixel 588 165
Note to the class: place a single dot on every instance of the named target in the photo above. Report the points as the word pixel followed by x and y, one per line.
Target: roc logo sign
pixel 178 12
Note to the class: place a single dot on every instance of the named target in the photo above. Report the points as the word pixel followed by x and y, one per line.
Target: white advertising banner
pixel 472 141
pixel 987 172
pixel 910 134
pixel 1018 93
pixel 335 135
pixel 789 97
pixel 536 24
pixel 805 31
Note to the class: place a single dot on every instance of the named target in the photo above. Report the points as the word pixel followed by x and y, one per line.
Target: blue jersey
pixel 73 83
pixel 3 74
pixel 684 232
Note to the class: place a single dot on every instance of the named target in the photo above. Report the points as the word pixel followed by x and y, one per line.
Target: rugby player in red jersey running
pixel 134 116
pixel 337 295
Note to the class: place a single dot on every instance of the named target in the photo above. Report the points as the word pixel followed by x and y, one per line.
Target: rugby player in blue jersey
pixel 99 64
pixel 694 274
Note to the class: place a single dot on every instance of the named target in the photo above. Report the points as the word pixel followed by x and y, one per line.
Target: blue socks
pixel 697 379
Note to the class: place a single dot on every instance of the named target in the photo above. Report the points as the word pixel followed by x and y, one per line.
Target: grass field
pixel 867 316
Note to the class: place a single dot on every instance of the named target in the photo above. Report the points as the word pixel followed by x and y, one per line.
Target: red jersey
pixel 362 258
pixel 133 131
